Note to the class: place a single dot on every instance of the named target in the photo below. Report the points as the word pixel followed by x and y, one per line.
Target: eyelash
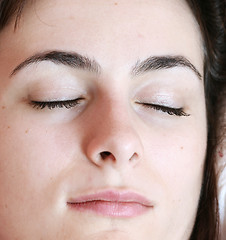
pixel 72 103
pixel 56 104
pixel 171 111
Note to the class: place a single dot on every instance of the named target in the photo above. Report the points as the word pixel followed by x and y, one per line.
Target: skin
pixel 48 156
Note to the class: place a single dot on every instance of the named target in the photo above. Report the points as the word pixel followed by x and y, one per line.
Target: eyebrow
pixel 75 60
pixel 70 59
pixel 163 62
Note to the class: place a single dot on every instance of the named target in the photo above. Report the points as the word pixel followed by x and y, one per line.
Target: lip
pixel 112 203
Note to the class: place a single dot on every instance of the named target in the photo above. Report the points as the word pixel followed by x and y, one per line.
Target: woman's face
pixel 106 140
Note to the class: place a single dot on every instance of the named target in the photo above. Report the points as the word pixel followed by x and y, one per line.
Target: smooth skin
pixel 48 156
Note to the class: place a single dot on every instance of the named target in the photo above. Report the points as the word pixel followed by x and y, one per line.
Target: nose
pixel 113 137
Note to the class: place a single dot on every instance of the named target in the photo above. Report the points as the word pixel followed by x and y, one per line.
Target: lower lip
pixel 111 209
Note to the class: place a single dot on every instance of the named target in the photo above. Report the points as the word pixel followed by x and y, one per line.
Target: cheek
pixel 175 161
pixel 176 157
pixel 30 158
pixel 32 166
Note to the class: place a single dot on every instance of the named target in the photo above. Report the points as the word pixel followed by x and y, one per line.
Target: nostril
pixel 134 157
pixel 107 155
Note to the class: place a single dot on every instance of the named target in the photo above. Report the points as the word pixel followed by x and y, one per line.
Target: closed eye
pixel 56 104
pixel 169 110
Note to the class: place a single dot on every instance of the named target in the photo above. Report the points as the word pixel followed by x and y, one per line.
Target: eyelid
pixel 54 92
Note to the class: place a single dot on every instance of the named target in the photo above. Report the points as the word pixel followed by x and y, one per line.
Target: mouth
pixel 112 204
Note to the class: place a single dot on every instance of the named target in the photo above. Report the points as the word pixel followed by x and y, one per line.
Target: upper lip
pixel 113 196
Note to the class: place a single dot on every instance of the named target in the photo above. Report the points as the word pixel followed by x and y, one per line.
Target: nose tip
pixel 118 147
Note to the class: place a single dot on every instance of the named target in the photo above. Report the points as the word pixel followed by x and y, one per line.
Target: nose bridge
pixel 116 119
pixel 113 137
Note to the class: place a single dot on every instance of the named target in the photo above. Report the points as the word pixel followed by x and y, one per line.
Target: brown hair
pixel 210 15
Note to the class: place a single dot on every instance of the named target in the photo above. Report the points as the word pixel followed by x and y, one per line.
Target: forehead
pixel 106 30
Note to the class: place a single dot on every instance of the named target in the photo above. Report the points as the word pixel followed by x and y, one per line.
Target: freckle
pixel 8 127
pixel 181 148
pixel 27 131
pixel 116 3
pixel 71 17
pixel 6 206
pixel 3 107
pixel 140 35
pixel 90 179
